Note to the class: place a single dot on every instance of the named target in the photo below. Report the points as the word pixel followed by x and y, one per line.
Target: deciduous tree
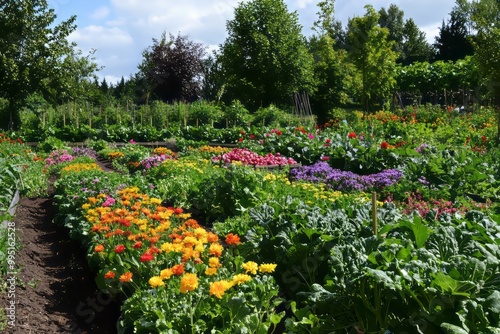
pixel 173 68
pixel 373 54
pixel 36 57
pixel 264 58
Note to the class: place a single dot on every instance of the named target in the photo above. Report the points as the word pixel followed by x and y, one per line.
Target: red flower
pixel 352 135
pixel 483 138
pixel 384 145
pixel 138 244
pixel 233 239
pixel 252 136
pixel 178 211
pixel 119 249
pixel 328 141
pixel 240 140
pixel 325 158
pixel 146 257
pixel 178 269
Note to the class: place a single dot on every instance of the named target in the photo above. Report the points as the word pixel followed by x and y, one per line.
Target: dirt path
pixel 56 292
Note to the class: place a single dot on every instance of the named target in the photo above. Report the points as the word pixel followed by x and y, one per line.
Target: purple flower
pixel 322 172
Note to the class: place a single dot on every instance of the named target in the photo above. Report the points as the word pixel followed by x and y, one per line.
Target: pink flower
pixel 132 141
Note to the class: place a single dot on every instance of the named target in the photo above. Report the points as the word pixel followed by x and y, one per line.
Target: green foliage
pixel 264 58
pixel 372 53
pixel 31 48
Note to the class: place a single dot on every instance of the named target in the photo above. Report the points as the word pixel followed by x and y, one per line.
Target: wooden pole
pixel 374 212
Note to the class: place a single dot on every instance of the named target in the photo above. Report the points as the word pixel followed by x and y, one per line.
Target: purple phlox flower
pixel 421 148
pixel 337 179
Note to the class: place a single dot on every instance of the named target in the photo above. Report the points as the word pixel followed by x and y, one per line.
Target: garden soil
pixel 56 291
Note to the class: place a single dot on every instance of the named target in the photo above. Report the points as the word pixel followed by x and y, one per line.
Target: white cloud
pixel 95 36
pixel 100 13
pixel 122 29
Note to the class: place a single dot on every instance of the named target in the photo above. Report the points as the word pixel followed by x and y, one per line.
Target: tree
pixel 409 41
pixel 414 47
pixel 486 19
pixel 173 68
pixel 264 58
pixel 36 57
pixel 372 52
pixel 331 69
pixel 453 41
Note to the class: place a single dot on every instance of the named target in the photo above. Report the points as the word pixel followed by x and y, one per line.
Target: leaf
pixel 492 303
pixel 420 231
pixel 449 285
pixel 452 329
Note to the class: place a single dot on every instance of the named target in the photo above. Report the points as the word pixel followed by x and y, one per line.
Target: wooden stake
pixel 374 212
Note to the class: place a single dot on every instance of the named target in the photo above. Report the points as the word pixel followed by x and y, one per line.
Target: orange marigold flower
pixel 126 277
pixel 156 281
pixel 109 275
pixel 217 289
pixel 189 282
pixel 250 267
pixel 99 248
pixel 192 223
pixel 138 244
pixel 215 249
pixel 178 269
pixel 212 237
pixel 233 239
pixel 267 267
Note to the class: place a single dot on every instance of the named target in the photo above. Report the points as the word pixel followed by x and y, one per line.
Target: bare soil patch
pixel 56 291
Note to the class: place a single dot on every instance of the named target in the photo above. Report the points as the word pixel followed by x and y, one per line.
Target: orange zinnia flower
pixel 218 289
pixel 109 275
pixel 99 248
pixel 233 239
pixel 178 269
pixel 126 277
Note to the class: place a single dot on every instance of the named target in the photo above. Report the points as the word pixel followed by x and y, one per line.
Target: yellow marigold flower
pixel 241 278
pixel 214 262
pixel 190 241
pixel 156 281
pixel 101 196
pixel 250 267
pixel 199 248
pixel 211 271
pixel 216 249
pixel 201 234
pixel 166 273
pixel 156 201
pixel 267 267
pixel 217 289
pixel 189 282
pixel 86 206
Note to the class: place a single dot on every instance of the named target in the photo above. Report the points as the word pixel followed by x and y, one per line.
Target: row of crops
pixel 276 234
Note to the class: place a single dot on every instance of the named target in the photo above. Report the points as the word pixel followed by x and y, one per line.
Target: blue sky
pixel 119 30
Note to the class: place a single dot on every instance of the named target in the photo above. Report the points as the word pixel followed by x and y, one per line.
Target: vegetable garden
pixel 379 223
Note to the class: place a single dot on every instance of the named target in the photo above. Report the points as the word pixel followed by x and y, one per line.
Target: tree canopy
pixel 173 68
pixel 264 58
pixel 36 57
